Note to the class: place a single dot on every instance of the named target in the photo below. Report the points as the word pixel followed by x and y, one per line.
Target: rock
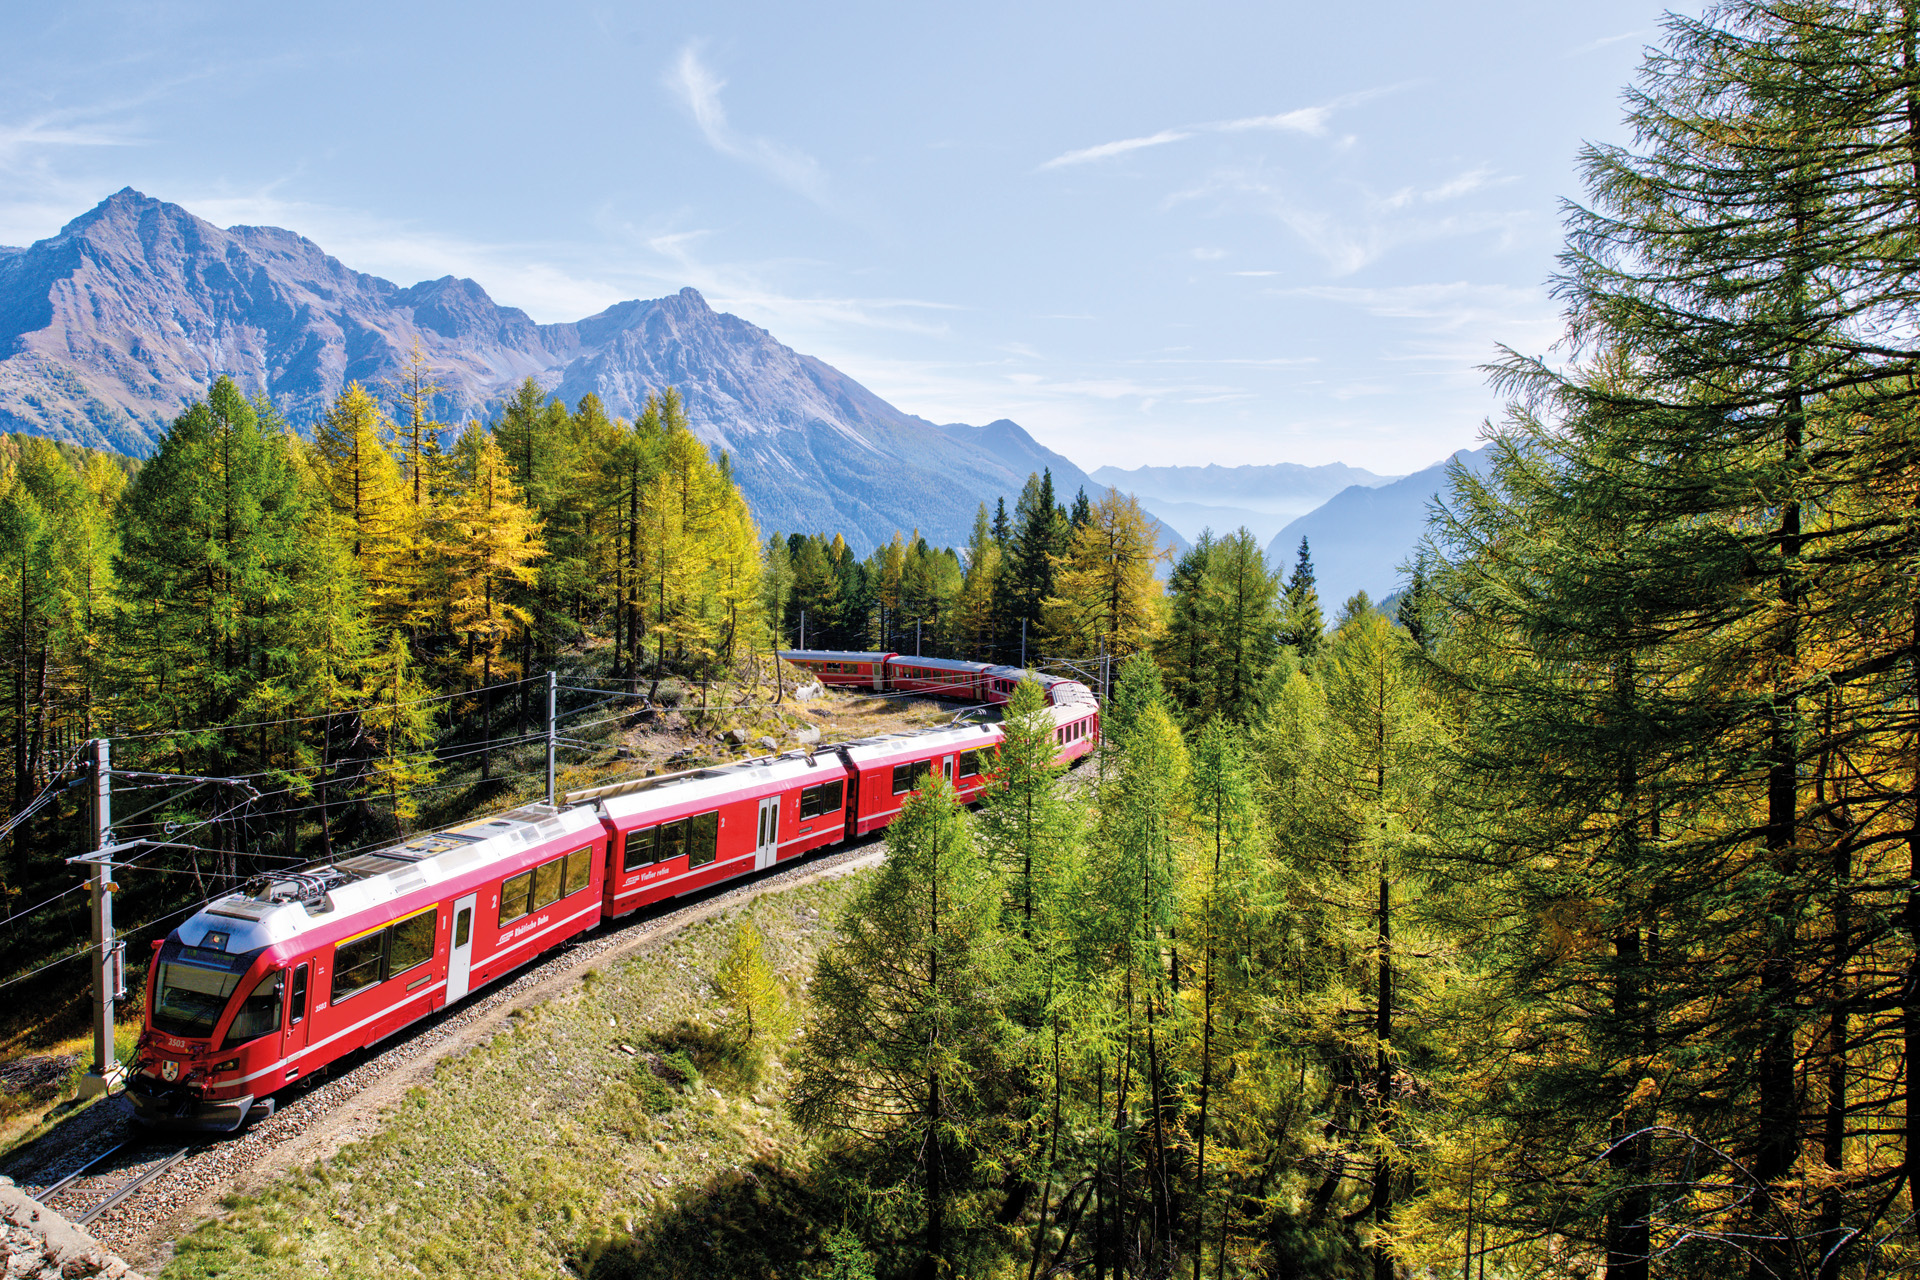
pixel 735 735
pixel 768 743
pixel 807 734
pixel 42 1243
pixel 627 1048
pixel 808 692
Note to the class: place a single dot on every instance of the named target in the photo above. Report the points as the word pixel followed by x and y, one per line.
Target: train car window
pixel 462 928
pixel 832 796
pixel 259 1013
pixel 413 940
pixel 703 839
pixel 357 964
pixel 907 776
pixel 579 870
pixel 969 764
pixel 546 882
pixel 640 849
pixel 673 840
pixel 824 798
pixel 513 896
pixel 297 1002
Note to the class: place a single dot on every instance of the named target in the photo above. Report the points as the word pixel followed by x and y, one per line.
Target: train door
pixel 767 851
pixel 460 958
pixel 946 769
pixel 294 1038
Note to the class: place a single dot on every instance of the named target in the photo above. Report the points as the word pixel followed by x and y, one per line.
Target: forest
pixel 1565 921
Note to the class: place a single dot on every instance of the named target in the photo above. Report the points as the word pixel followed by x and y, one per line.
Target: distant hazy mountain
pixel 1261 498
pixel 1360 536
pixel 108 329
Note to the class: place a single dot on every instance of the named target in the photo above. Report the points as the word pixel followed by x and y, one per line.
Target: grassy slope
pixel 531 1149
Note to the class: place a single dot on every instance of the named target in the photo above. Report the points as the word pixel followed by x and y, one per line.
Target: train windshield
pixel 194 985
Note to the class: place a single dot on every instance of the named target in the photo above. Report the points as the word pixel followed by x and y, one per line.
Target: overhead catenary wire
pixel 325 715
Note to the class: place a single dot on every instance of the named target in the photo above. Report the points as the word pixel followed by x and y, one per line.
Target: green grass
pixel 532 1153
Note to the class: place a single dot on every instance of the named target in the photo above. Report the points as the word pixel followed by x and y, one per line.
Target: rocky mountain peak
pixel 110 328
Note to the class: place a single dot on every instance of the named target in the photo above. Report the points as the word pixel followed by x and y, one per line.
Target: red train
pixel 272 983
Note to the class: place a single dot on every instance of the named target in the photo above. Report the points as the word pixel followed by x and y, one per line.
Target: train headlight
pixel 231 1064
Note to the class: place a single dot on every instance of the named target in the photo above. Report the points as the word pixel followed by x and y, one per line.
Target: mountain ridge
pixel 112 325
pixel 1359 537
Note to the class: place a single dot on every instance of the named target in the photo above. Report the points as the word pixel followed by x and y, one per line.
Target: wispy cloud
pixel 1467 183
pixel 1107 150
pixel 1311 121
pixel 1355 234
pixel 1594 45
pixel 699 91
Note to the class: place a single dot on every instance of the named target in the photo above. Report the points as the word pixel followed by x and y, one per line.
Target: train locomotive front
pixel 219 1010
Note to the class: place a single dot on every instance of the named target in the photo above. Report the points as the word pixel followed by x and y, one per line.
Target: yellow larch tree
pixel 487 552
pixel 362 482
pixel 1104 588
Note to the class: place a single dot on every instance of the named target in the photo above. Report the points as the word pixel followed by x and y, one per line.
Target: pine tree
pixel 1105 598
pixel 1305 627
pixel 1129 910
pixel 903 1050
pixel 362 481
pixel 488 551
pixel 1225 914
pixel 1224 638
pixel 978 626
pixel 1183 647
pixel 1038 540
pixel 420 434
pixel 1715 505
pixel 759 1016
pixel 212 556
pixel 777 587
pixel 397 722
pixel 1378 772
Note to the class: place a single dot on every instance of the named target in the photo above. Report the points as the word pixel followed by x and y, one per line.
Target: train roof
pixel 284 905
pixel 887 746
pixel 936 664
pixel 833 655
pixel 740 780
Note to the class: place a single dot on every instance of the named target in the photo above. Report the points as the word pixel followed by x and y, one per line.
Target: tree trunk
pixel 1383 1090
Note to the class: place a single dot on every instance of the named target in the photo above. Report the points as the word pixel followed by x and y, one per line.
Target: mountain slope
pixel 1359 537
pixel 108 329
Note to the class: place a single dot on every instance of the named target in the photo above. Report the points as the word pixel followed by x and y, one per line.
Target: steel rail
pixel 132 1185
pixel 67 1181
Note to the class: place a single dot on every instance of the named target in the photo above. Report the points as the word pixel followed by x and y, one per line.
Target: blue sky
pixel 1279 232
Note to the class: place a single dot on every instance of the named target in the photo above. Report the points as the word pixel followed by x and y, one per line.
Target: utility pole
pixel 553 689
pixel 803 630
pixel 916 637
pixel 1023 643
pixel 109 973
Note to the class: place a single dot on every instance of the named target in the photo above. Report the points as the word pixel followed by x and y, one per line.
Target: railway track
pixel 138 1173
